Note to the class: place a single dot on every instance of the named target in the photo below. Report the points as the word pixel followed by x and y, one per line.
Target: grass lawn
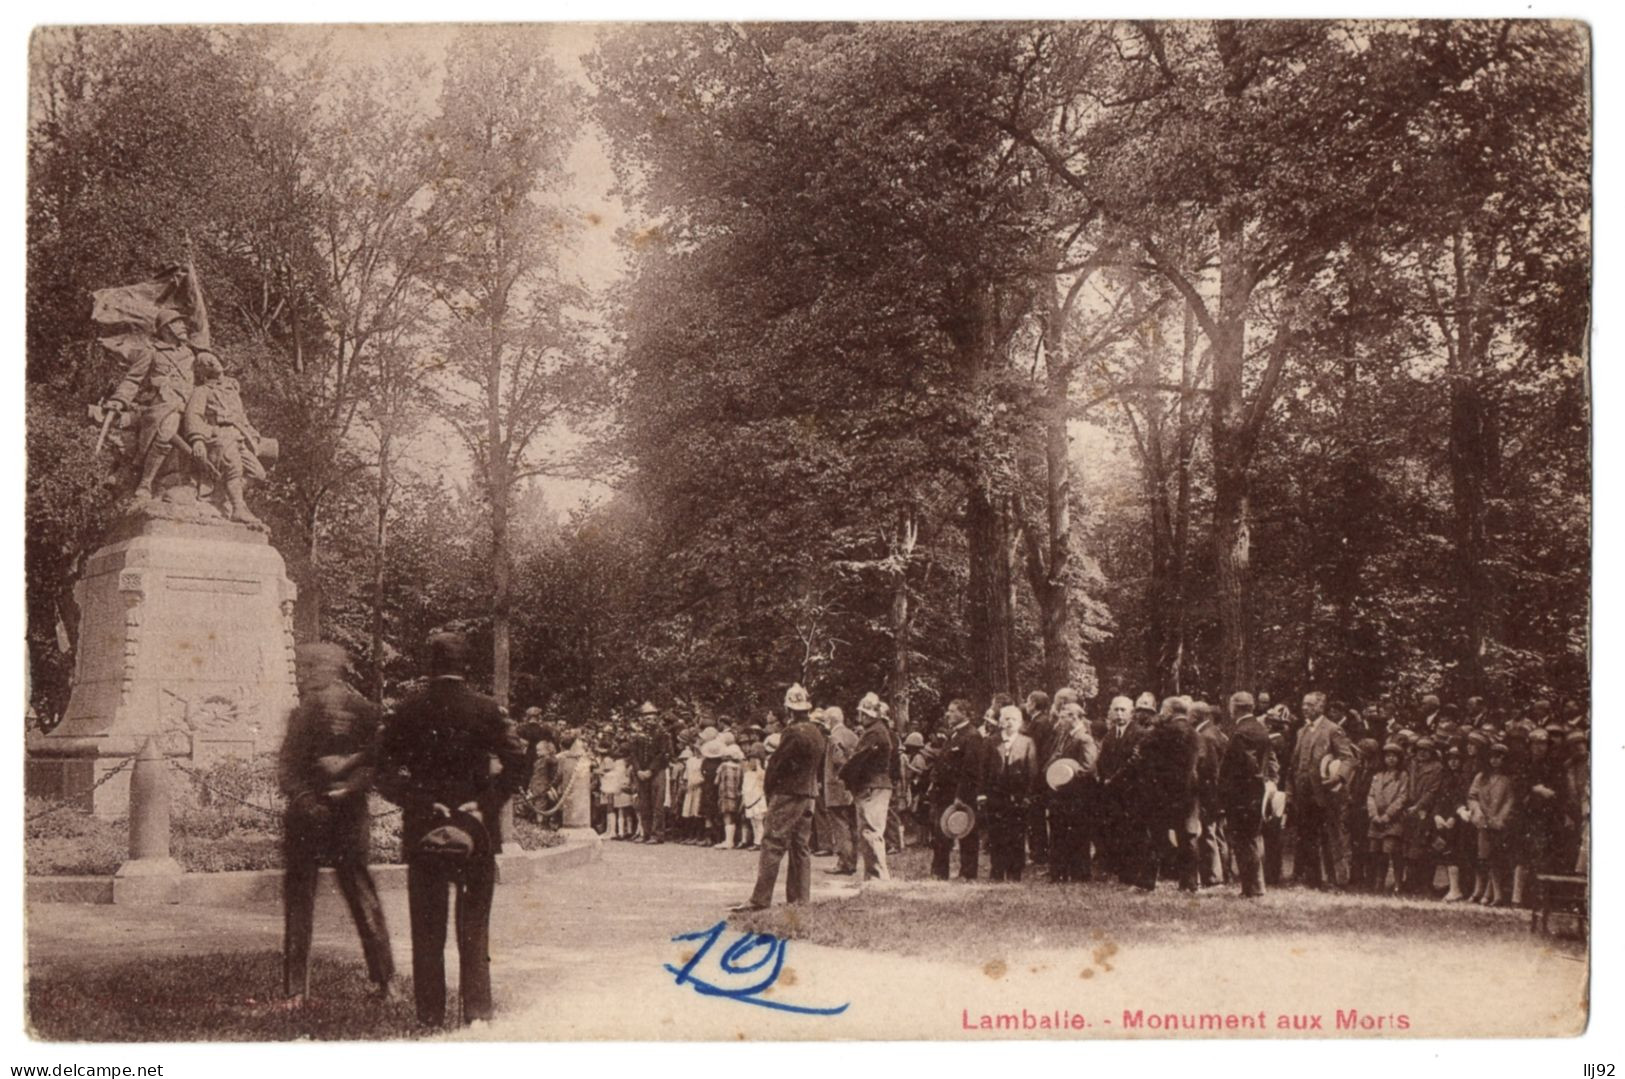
pixel 219 997
pixel 954 920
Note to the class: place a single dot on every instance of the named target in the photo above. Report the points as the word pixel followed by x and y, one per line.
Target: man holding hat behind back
pixel 450 758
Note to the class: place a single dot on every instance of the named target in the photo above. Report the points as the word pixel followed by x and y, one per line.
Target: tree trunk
pixel 1472 456
pixel 900 647
pixel 379 558
pixel 1232 459
pixel 990 619
pixel 501 587
pixel 307 619
pixel 1048 575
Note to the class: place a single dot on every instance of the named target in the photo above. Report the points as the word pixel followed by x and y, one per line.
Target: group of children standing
pixel 714 793
pixel 1491 813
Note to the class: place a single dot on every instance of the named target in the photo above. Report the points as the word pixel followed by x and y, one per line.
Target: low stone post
pixel 151 875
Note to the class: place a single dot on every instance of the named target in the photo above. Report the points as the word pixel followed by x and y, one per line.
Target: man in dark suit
pixel 791 788
pixel 325 769
pixel 1249 762
pixel 1040 727
pixel 1168 797
pixel 450 758
pixel 956 776
pixel 651 755
pixel 1070 805
pixel 1122 786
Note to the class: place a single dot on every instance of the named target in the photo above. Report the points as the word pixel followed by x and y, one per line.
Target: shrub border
pixel 582 846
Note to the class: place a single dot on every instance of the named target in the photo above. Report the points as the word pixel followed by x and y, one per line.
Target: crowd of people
pixel 1461 804
pixel 1180 790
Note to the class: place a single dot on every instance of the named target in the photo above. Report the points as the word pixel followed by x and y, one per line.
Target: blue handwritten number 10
pixel 737 961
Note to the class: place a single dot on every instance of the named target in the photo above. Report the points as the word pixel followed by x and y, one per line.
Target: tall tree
pixel 507 117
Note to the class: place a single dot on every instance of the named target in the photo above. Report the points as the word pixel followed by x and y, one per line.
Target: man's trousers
pixel 428 888
pixel 871 806
pixel 788 826
pixel 299 912
pixel 651 794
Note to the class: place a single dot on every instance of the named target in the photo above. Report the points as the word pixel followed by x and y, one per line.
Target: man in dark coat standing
pixel 791 788
pixel 1040 727
pixel 1169 797
pixel 1123 787
pixel 325 769
pixel 450 758
pixel 1249 763
pixel 956 776
pixel 651 756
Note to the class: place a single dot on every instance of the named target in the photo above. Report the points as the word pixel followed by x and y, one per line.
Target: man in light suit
pixel 1211 744
pixel 1323 761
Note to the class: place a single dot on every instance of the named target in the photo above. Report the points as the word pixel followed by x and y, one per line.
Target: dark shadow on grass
pixel 217 997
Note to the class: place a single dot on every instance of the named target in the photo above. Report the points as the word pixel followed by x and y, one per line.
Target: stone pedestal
pixel 575 780
pixel 186 633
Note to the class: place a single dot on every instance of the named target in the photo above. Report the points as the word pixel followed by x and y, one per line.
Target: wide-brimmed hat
pixel 796 699
pixel 733 752
pixel 869 705
pixel 1393 747
pixel 647 708
pixel 915 740
pixel 1274 804
pixel 1146 703
pixel 1062 772
pixel 713 749
pixel 957 821
pixel 771 743
pixel 709 734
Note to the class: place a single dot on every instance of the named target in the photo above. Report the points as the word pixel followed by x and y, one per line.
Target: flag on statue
pixel 128 312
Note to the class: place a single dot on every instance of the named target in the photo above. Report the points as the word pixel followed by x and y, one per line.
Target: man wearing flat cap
pixel 1248 769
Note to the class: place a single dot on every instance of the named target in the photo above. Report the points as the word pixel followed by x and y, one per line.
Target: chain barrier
pixel 110 773
pixel 198 780
pixel 558 802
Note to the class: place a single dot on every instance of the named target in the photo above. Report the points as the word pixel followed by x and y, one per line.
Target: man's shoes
pixel 822 853
pixel 746 907
pixel 839 872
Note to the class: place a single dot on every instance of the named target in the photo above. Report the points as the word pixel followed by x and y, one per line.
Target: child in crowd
pixel 730 787
pixel 692 782
pixel 1490 804
pixel 1457 841
pixel 616 799
pixel 1385 806
pixel 753 800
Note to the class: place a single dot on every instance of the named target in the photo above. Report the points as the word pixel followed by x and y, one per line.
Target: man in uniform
pixel 450 758
pixel 1322 763
pixel 1249 763
pixel 790 787
pixel 158 381
pixel 651 754
pixel 324 771
pixel 956 777
pixel 219 434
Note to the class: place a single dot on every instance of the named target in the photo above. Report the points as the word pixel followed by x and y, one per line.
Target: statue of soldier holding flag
pixel 185 412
